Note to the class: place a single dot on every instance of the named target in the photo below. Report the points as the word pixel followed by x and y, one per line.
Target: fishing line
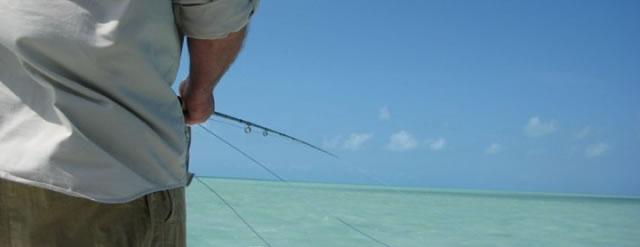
pixel 366 174
pixel 287 183
pixel 265 132
pixel 245 154
pixel 363 233
pixel 235 212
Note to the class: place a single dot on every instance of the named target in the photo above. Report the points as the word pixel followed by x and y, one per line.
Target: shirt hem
pixel 115 200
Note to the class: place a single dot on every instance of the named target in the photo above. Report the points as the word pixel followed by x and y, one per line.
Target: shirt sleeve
pixel 212 19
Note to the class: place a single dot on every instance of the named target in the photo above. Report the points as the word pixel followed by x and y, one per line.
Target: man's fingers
pixel 195 115
pixel 193 119
pixel 197 105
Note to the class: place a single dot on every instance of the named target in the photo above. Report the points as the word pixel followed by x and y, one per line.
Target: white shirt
pixel 86 105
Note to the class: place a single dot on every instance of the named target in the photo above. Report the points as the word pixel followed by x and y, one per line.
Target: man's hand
pixel 209 59
pixel 197 105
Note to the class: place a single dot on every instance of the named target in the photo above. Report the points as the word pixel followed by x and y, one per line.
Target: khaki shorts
pixel 31 216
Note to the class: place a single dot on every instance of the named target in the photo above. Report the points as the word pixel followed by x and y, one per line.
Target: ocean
pixel 322 215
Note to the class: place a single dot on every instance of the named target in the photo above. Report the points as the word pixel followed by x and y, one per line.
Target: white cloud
pixel 437 144
pixel 584 132
pixel 401 141
pixel 355 141
pixel 536 128
pixel 384 113
pixel 494 148
pixel 332 142
pixel 597 149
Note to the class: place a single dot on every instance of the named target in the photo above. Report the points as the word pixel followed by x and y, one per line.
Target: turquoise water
pixel 308 214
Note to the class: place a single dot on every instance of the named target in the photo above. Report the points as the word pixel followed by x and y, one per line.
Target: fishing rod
pixel 266 131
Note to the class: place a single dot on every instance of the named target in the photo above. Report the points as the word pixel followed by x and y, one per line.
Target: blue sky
pixel 508 95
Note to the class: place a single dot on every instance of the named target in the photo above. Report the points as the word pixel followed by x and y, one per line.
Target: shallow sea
pixel 322 215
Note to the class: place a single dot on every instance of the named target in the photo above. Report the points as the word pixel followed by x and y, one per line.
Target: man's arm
pixel 209 60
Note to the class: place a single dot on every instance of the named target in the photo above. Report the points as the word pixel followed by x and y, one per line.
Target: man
pixel 93 145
